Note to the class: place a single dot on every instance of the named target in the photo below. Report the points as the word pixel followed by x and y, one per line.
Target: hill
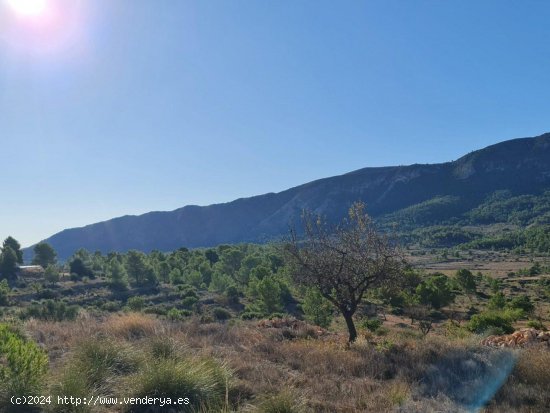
pixel 483 186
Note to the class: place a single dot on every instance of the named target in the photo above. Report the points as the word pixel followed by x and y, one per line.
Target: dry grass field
pixel 243 367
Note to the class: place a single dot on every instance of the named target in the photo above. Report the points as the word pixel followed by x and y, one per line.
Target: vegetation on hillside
pixel 336 321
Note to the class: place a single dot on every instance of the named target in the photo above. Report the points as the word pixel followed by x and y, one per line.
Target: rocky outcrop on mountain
pixel 428 193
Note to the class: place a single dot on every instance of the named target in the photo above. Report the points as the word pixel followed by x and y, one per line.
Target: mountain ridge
pixel 521 166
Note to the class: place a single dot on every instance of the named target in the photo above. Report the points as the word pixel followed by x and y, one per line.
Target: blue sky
pixel 125 107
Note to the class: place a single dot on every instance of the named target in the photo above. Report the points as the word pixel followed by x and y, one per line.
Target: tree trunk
pixel 351 326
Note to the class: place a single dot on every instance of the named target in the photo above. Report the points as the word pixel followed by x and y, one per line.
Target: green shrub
pixel 466 280
pixel 232 294
pixel 221 314
pixel 135 303
pixel 220 282
pixel 502 320
pixel 251 315
pixel 111 306
pixel 371 324
pixel 522 302
pixel 51 274
pixel 203 381
pixel 497 301
pixel 455 331
pixel 51 310
pixel 189 302
pixel 176 276
pixel 175 315
pixel 435 291
pixel 187 290
pixel 23 366
pixel 4 292
pixel 117 275
pixel 536 324
pixel 47 294
pixel 273 316
pixel 317 309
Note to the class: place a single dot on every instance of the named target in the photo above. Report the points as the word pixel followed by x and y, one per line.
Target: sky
pixel 110 108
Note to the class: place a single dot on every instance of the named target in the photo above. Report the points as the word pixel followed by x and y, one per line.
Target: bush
pixel 111 306
pixel 497 301
pixel 466 280
pixel 158 310
pixel 117 275
pixel 251 315
pixel 80 269
pixel 47 294
pixel 220 282
pixel 22 368
pixel 187 290
pixel 189 302
pixel 317 309
pixel 221 314
pixel 135 303
pixel 522 303
pixel 51 274
pixel 267 293
pixel 435 291
pixel 176 276
pixel 203 381
pixel 371 324
pixel 232 294
pixel 502 320
pixel 536 324
pixel 4 292
pixel 175 315
pixel 51 310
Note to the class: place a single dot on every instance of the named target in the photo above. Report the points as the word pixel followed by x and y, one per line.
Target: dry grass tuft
pixel 132 326
pixel 533 367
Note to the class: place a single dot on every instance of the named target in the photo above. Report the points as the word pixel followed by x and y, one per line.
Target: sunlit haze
pixel 122 107
pixel 28 7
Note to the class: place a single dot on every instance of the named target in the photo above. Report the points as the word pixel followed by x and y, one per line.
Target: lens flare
pixel 46 29
pixel 28 8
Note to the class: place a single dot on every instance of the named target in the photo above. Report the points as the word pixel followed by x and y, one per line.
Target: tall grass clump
pixel 23 366
pixel 95 368
pixel 166 348
pixel 284 402
pixel 131 326
pixel 99 360
pixel 203 381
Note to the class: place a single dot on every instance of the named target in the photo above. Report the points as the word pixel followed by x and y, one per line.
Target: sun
pixel 28 8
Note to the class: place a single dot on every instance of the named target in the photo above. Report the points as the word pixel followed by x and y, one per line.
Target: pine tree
pixel 118 277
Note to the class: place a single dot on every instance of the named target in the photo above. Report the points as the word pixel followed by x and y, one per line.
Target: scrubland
pixel 245 367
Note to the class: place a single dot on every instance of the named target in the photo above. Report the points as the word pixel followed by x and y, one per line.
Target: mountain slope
pixel 438 191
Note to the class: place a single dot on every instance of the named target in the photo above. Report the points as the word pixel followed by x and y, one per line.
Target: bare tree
pixel 344 261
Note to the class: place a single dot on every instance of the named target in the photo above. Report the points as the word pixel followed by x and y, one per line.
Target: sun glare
pixel 28 8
